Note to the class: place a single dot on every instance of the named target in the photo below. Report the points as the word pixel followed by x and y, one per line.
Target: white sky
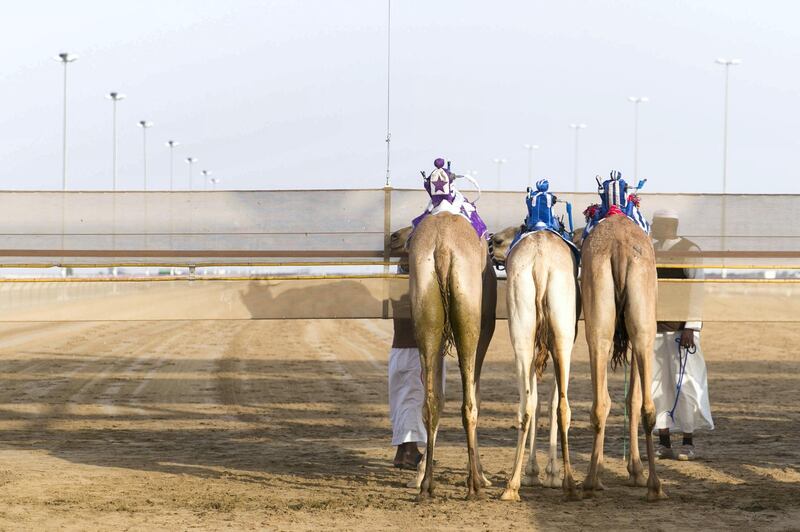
pixel 292 94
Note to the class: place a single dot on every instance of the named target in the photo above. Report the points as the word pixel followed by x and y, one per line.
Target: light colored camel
pixel 618 286
pixel 449 269
pixel 542 316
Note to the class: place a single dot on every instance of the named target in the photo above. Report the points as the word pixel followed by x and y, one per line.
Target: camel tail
pixel 543 336
pixel 443 277
pixel 619 354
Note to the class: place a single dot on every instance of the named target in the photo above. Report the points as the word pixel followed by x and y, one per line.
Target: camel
pixel 618 285
pixel 453 298
pixel 543 310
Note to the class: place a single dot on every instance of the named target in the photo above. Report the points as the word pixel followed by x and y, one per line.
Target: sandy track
pixel 270 424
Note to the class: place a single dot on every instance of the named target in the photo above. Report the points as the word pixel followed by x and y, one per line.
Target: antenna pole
pixel 388 87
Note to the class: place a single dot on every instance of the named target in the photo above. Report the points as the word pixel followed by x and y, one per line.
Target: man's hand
pixel 687 339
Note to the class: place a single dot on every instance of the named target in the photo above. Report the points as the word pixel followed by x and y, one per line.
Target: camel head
pixel 397 247
pixel 577 236
pixel 499 244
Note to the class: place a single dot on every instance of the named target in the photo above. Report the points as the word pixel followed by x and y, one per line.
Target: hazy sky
pixel 292 94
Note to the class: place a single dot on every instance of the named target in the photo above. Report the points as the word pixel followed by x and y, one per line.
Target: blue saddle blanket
pixel 564 236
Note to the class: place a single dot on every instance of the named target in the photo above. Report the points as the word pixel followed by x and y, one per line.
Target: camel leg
pixel 643 351
pixel 563 316
pixel 428 316
pixel 552 471
pixel 430 414
pixel 641 322
pixel 531 477
pixel 485 482
pixel 634 403
pixel 465 322
pixel 416 482
pixel 599 315
pixel 469 418
pixel 488 323
pixel 522 327
pixel 601 405
pixel 564 420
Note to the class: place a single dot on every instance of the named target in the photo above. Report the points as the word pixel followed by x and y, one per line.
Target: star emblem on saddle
pixel 445 197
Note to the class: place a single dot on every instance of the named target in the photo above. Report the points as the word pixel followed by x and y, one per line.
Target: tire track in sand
pixel 64 397
pixel 27 387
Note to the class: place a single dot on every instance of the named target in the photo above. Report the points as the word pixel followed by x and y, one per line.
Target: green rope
pixel 625 430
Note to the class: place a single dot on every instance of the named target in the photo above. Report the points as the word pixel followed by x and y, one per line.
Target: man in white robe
pixel 406 390
pixel 685 409
pixel 406 396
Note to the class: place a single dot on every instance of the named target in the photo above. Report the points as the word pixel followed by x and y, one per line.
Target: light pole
pixel 190 161
pixel 171 144
pixel 65 58
pixel 636 100
pixel 727 63
pixel 530 148
pixel 145 125
pixel 114 97
pixel 214 182
pixel 577 128
pixel 205 173
pixel 499 162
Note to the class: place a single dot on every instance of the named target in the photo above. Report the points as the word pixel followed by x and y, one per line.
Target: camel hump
pixel 619 236
pixel 447 231
pixel 547 247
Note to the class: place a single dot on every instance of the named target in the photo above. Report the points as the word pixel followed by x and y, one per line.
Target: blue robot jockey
pixel 540 217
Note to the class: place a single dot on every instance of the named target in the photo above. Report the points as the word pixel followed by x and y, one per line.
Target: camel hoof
pixel 590 489
pixel 638 481
pixel 552 477
pixel 656 495
pixel 571 492
pixel 510 495
pixel 425 495
pixel 476 496
pixel 485 482
pixel 414 483
pixel 552 480
pixel 530 480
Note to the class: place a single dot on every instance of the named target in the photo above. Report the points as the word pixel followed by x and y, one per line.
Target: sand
pixel 283 425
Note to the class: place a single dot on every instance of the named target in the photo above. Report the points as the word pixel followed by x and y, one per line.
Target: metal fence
pixel 76 228
pixel 292 229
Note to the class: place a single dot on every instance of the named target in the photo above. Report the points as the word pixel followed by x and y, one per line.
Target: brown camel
pixel 398 248
pixel 618 285
pixel 453 298
pixel 543 311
